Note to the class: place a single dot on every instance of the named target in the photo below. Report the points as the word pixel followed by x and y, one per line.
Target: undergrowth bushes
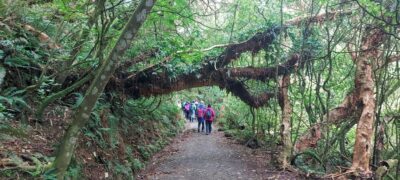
pixel 133 132
pixel 117 142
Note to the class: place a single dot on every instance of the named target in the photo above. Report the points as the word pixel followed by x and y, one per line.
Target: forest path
pixel 195 155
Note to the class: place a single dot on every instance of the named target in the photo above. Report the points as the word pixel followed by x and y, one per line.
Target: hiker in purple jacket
pixel 209 116
pixel 187 110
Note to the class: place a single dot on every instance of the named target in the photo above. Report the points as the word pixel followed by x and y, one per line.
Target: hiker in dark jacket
pixel 209 116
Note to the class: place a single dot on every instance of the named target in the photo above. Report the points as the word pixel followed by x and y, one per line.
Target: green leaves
pixel 2 73
pixel 71 9
pixel 310 162
pixel 12 100
pixel 2 54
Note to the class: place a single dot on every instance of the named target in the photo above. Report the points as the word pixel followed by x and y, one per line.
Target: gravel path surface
pixel 199 156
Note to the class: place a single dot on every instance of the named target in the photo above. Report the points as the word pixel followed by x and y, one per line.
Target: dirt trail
pixel 199 156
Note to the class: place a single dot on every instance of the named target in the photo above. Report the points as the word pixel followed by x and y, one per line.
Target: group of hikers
pixel 197 110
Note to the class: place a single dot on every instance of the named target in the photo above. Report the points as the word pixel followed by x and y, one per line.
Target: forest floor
pixel 194 155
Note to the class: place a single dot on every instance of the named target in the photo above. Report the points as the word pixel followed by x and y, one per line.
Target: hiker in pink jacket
pixel 209 116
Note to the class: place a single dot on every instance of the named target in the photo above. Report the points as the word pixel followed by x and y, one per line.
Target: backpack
pixel 200 112
pixel 187 106
pixel 208 114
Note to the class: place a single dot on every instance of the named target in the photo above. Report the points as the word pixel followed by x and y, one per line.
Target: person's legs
pixel 207 127
pixel 198 126
pixel 187 114
pixel 191 116
pixel 202 125
pixel 210 127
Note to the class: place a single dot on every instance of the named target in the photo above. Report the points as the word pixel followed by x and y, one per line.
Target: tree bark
pixel 364 84
pixel 82 114
pixel 285 131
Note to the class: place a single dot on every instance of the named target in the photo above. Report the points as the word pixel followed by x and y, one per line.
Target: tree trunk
pixel 82 114
pixel 285 134
pixel 364 84
pixel 361 153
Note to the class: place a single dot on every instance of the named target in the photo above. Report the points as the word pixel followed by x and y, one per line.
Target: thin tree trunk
pixel 253 121
pixel 285 134
pixel 82 114
pixel 379 143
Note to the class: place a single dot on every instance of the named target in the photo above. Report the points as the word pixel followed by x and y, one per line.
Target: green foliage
pixel 2 8
pixel 180 30
pixel 74 171
pixel 16 132
pixel 45 87
pixel 137 165
pixel 124 170
pixel 12 101
pixel 2 71
pixel 309 162
pixel 154 117
pixel 144 152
